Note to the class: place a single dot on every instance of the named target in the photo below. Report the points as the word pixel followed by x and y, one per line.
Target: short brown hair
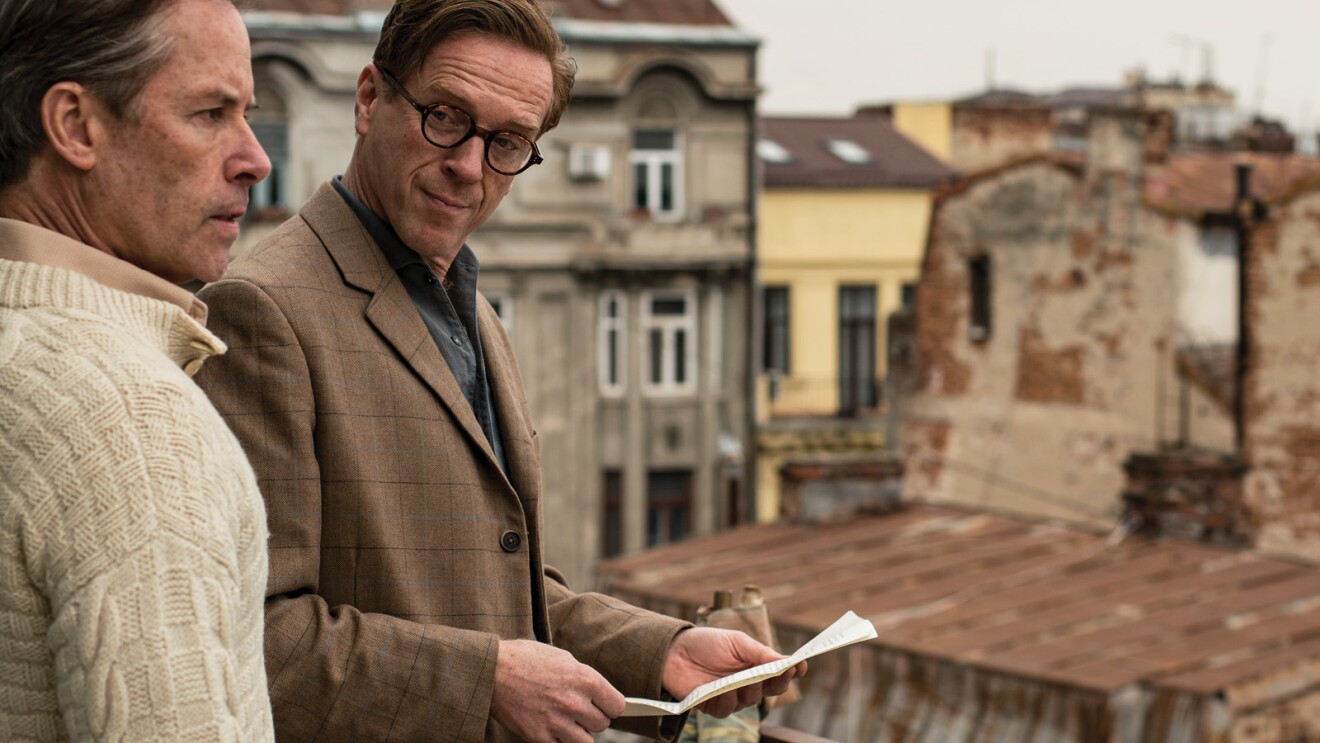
pixel 414 27
pixel 111 47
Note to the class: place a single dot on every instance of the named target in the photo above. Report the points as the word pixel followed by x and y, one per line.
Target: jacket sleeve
pixel 625 644
pixel 335 673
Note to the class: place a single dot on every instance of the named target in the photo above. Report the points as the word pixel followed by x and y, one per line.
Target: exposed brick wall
pixel 1282 404
pixel 1190 494
pixel 1048 375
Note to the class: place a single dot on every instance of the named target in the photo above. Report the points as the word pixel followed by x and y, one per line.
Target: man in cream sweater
pixel 132 535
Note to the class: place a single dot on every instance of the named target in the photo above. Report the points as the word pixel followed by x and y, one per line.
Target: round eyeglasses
pixel 507 152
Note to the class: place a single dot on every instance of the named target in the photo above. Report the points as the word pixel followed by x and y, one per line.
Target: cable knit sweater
pixel 132 535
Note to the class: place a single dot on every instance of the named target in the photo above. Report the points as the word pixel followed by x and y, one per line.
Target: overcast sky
pixel 827 56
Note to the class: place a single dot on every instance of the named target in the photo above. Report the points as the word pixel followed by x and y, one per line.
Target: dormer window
pixel 848 151
pixel 772 152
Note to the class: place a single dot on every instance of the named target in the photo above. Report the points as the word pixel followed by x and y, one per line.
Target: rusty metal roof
pixel 1203 182
pixel 894 160
pixel 1032 600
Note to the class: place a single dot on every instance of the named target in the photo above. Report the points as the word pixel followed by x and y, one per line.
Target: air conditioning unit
pixel 588 162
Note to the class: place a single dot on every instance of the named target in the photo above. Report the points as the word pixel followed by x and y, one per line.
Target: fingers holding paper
pixel 702 654
pixel 542 694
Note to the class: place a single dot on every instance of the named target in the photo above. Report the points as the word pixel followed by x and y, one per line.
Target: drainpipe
pixel 1243 215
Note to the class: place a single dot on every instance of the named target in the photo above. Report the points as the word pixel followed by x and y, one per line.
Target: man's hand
pixel 543 695
pixel 704 654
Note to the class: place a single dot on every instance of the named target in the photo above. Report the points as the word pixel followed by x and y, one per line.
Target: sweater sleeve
pixel 139 532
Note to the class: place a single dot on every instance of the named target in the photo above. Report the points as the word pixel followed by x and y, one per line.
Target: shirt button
pixel 430 279
pixel 457 340
pixel 510 541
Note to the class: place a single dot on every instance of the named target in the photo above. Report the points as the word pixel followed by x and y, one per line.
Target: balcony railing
pixel 835 397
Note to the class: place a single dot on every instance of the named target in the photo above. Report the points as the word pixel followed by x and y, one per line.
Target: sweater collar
pixel 78 275
pixel 23 241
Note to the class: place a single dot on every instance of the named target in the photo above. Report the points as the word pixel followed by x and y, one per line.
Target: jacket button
pixel 510 541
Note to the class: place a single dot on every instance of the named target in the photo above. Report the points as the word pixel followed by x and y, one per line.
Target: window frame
pixel 605 325
pixel 768 329
pixel 669 327
pixel 653 162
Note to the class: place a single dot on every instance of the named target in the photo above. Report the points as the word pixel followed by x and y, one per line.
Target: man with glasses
pixel 378 398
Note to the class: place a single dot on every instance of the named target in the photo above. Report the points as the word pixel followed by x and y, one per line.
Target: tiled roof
pixel 1201 182
pixel 1035 601
pixel 683 12
pixel 895 160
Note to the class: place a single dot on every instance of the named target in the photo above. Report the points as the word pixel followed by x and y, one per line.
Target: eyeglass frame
pixel 473 130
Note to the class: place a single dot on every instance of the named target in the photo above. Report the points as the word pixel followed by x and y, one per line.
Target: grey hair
pixel 111 47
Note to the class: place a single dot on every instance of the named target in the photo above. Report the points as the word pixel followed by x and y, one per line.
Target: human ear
pixel 365 99
pixel 72 122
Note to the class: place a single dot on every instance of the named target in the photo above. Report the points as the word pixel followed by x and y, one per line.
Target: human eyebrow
pixel 446 98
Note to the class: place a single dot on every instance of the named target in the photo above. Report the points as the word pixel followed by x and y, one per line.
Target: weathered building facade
pixel 1282 400
pixel 1046 332
pixel 622 266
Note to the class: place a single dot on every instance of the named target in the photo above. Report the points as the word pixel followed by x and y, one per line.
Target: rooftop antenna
pixel 1189 43
pixel 1262 63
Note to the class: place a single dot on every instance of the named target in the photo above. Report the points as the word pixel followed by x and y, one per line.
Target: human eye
pixel 508 142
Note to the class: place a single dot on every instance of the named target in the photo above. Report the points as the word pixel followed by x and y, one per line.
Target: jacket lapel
pixel 520 447
pixel 391 311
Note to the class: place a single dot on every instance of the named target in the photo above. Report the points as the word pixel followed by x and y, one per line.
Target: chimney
pixel 1189 494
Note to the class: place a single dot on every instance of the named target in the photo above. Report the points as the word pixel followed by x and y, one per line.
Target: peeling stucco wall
pixel 1077 371
pixel 1283 388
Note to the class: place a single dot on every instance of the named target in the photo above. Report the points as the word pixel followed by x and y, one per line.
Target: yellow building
pixel 844 211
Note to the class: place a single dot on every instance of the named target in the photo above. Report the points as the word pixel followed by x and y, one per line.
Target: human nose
pixel 467 159
pixel 249 162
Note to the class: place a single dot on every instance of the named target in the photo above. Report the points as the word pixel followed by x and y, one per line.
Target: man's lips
pixel 446 203
pixel 230 214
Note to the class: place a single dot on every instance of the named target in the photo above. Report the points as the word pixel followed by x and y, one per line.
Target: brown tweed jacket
pixel 400 553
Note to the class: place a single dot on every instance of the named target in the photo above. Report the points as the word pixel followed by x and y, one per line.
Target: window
pixel 848 151
pixel 668 506
pixel 611 536
pixel 978 277
pixel 907 294
pixel 857 383
pixel 502 303
pixel 772 152
pixel 610 342
pixel 657 170
pixel 669 322
pixel 774 314
pixel 270 124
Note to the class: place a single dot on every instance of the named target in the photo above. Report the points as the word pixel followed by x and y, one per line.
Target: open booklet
pixel 849 629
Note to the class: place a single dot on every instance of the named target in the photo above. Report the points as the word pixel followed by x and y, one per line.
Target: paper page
pixel 849 629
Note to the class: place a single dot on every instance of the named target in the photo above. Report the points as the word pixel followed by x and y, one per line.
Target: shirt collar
pixel 396 252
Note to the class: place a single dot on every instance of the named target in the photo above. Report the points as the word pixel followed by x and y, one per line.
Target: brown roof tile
pixel 895 160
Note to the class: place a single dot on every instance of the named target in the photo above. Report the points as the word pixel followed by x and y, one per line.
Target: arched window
pixel 270 122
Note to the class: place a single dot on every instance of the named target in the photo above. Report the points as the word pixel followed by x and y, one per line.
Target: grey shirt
pixel 448 307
